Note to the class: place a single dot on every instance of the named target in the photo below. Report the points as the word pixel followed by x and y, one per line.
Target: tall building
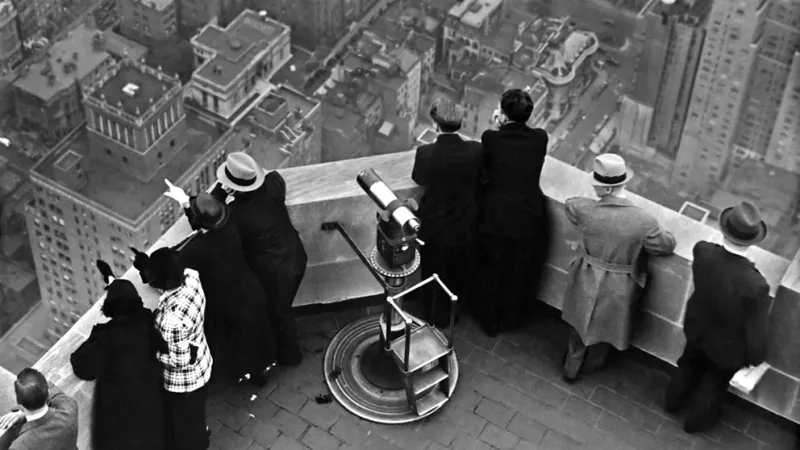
pixel 475 28
pixel 673 39
pixel 100 190
pixel 27 20
pixel 733 37
pixel 770 77
pixel 234 64
pixel 784 145
pixel 148 22
pixel 314 23
pixel 10 45
pixel 397 33
pixel 48 93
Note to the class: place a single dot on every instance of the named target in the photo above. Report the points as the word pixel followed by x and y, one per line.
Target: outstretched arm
pixel 659 241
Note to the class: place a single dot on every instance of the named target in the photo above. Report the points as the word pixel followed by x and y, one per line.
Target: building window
pixel 125 159
pixel 108 151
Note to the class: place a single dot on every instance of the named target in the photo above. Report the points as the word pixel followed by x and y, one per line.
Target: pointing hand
pixel 176 193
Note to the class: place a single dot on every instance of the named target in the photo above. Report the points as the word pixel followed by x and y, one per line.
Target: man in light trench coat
pixel 609 274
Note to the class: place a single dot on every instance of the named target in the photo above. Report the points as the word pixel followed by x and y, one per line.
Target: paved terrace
pixel 510 395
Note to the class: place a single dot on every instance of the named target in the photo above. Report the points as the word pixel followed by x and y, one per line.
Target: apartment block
pixel 148 22
pixel 235 63
pixel 784 145
pixel 10 45
pixel 313 23
pixel 733 36
pixel 669 60
pixel 47 94
pixel 100 190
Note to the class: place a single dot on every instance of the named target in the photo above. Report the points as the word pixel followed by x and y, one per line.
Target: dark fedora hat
pixel 208 212
pixel 742 224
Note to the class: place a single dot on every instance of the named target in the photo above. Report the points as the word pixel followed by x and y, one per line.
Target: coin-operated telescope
pixel 392 367
pixel 397 224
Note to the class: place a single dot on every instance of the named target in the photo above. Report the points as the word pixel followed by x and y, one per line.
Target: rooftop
pixel 684 9
pixel 159 5
pixel 510 392
pixel 474 12
pixel 235 46
pixel 134 88
pixel 74 57
pixel 302 63
pixel 391 30
pixel 120 46
pixel 119 192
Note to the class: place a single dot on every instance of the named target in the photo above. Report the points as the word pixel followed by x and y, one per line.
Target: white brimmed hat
pixel 610 171
pixel 241 173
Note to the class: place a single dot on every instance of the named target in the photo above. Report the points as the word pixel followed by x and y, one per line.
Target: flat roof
pixel 117 45
pixel 121 192
pixel 236 45
pixel 697 9
pixel 296 77
pixel 297 100
pixel 76 52
pixel 150 88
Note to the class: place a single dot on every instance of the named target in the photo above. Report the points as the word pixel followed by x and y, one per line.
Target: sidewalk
pixel 510 396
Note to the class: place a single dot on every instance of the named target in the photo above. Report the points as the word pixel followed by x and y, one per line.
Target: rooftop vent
pixel 235 44
pixel 262 13
pixel 130 89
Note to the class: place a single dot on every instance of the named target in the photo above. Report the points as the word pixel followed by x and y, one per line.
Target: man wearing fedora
pixel 609 273
pixel 726 319
pixel 271 243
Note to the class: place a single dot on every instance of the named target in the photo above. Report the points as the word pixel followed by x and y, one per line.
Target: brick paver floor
pixel 510 396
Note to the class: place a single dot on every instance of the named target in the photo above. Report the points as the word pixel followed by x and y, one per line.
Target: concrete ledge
pixel 327 192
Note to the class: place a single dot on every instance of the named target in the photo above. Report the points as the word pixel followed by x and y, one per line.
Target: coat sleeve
pixel 63 402
pixel 219 192
pixel 177 338
pixel 420 171
pixel 275 185
pixel 659 241
pixel 89 360
pixel 756 312
pixel 193 255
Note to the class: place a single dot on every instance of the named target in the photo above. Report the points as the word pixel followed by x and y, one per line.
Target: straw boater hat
pixel 742 224
pixel 240 173
pixel 610 171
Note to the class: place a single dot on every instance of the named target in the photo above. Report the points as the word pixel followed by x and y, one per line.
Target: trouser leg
pixel 596 356
pixel 186 420
pixel 576 353
pixel 705 407
pixel 685 379
pixel 492 287
pixel 286 287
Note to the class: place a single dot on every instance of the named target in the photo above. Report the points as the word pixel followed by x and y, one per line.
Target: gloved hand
pixel 177 194
pixel 105 271
pixel 142 263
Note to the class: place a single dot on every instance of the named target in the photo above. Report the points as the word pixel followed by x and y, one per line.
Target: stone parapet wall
pixel 328 192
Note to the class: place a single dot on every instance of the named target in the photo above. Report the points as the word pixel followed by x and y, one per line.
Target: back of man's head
pixel 31 389
pixel 517 105
pixel 447 115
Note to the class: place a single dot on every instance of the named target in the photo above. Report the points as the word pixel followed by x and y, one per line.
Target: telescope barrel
pixel 383 196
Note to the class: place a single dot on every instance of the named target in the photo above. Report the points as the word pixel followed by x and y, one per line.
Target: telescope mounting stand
pixel 392 367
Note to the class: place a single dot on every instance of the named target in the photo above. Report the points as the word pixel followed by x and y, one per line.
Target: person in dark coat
pixel 514 224
pixel 450 171
pixel 128 411
pixel 271 243
pixel 237 326
pixel 726 319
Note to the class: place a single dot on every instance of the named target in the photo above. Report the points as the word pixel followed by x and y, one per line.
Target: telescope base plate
pixel 365 379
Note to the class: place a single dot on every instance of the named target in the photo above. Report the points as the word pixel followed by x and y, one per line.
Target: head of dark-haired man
pixel 516 105
pixel 446 115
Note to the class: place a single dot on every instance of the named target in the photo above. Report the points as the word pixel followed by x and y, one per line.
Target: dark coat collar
pixel 448 137
pixel 514 126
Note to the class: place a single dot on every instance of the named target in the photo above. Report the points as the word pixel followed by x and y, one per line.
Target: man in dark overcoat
pixel 271 243
pixel 726 319
pixel 450 171
pixel 608 276
pixel 514 224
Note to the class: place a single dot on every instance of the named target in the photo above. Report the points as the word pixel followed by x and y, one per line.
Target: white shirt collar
pixel 38 415
pixel 735 251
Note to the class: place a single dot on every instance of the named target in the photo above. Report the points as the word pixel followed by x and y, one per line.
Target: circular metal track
pixel 358 377
pixel 400 272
